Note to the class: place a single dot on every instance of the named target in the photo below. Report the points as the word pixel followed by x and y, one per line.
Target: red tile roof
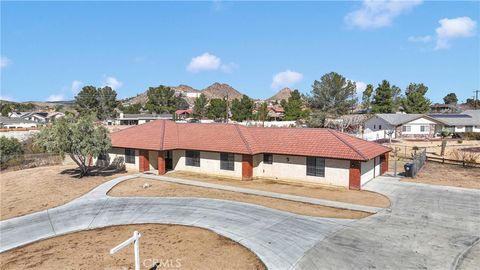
pixel 168 135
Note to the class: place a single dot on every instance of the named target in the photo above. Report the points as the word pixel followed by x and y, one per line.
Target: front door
pixel 168 160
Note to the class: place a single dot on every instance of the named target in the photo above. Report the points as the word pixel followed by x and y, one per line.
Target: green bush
pixel 472 135
pixel 10 148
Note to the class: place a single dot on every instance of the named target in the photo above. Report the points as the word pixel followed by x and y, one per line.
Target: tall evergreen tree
pixel 451 98
pixel 384 100
pixel 162 99
pixel 107 102
pixel 367 97
pixel 217 109
pixel 86 101
pixel 415 100
pixel 294 107
pixel 333 94
pixel 242 109
pixel 200 106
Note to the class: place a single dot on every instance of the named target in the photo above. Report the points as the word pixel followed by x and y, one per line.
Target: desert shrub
pixel 472 135
pixel 10 149
pixel 460 141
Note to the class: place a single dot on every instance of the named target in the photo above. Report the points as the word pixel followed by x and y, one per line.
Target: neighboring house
pixel 468 121
pixel 321 156
pixel 183 114
pixel 402 125
pixel 16 122
pixel 275 112
pixel 38 117
pixel 443 108
pixel 138 119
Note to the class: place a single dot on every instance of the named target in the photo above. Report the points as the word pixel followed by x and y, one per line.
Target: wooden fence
pixel 464 163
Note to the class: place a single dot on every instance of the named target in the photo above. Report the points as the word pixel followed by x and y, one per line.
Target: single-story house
pixel 183 114
pixel 322 156
pixel 141 118
pixel 468 121
pixel 16 122
pixel 403 125
pixel 38 117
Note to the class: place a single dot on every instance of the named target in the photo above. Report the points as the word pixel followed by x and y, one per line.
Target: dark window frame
pixel 227 161
pixel 315 166
pixel 129 155
pixel 267 158
pixel 192 158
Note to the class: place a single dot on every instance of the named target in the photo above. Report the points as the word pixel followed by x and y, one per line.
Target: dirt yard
pixel 321 192
pixel 433 146
pixel 134 187
pixel 174 247
pixel 447 175
pixel 31 190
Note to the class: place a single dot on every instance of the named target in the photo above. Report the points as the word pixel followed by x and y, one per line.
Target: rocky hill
pixel 221 90
pixel 282 94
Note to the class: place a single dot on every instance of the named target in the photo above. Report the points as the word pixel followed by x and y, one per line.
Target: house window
pixel 379 126
pixel 267 158
pixel 129 155
pixel 424 128
pixel 374 126
pixel 316 166
pixel 406 128
pixel 227 161
pixel 468 128
pixel 192 158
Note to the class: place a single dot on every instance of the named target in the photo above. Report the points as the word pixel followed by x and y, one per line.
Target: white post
pixel 136 247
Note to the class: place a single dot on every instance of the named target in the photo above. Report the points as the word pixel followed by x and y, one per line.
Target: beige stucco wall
pixel 120 152
pixel 367 172
pixel 294 168
pixel 209 163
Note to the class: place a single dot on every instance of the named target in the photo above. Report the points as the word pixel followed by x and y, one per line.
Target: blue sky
pixel 50 49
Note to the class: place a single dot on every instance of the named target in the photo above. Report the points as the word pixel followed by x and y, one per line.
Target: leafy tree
pixel 415 100
pixel 133 108
pixel 200 106
pixel 333 94
pixel 385 99
pixel 58 107
pixel 162 99
pixel 317 119
pixel 217 109
pixel 294 107
pixel 451 98
pixel 80 138
pixel 86 102
pixel 472 102
pixel 9 149
pixel 5 108
pixel 242 109
pixel 107 102
pixel 367 97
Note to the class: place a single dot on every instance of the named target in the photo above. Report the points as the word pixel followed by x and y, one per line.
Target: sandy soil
pixel 176 247
pixel 447 175
pixel 31 190
pixel 301 189
pixel 134 187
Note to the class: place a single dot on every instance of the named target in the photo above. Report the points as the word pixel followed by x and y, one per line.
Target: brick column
pixel 161 163
pixel 384 163
pixel 354 175
pixel 247 167
pixel 144 163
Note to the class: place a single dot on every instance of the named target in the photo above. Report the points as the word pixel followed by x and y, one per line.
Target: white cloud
pixel 379 13
pixel 203 62
pixel 4 62
pixel 360 86
pixel 422 39
pixel 449 29
pixel 113 82
pixel 76 86
pixel 56 97
pixel 286 79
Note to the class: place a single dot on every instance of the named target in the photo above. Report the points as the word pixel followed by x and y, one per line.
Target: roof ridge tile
pixel 348 144
pixel 243 139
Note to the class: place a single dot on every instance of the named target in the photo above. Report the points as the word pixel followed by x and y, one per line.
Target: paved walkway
pixel 278 238
pixel 428 227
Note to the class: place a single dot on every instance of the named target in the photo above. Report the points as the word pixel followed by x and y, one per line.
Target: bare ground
pixel 176 247
pixel 447 175
pixel 134 187
pixel 362 197
pixel 31 190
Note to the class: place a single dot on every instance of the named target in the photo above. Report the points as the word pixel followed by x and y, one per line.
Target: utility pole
pixel 475 101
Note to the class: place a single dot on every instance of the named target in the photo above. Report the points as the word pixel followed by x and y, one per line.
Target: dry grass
pixel 301 189
pixel 186 247
pixel 134 187
pixel 433 147
pixel 31 190
pixel 447 175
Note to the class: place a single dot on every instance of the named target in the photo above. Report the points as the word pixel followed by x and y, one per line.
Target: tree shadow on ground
pixel 94 171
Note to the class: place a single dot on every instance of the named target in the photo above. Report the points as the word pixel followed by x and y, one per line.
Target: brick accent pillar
pixel 384 163
pixel 161 163
pixel 354 175
pixel 247 167
pixel 144 163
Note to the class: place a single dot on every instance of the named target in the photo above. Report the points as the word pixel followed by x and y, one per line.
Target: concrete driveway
pixel 426 227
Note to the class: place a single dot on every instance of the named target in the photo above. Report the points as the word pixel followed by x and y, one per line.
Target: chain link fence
pixel 416 164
